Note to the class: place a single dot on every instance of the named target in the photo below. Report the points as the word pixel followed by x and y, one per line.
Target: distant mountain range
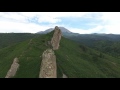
pixel 86 38
pixel 65 32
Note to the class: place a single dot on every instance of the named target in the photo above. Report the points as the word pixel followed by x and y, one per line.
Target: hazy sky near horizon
pixel 78 22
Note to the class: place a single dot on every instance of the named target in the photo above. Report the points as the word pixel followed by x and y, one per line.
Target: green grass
pixel 28 55
pixel 7 56
pixel 7 39
pixel 78 61
pixel 73 59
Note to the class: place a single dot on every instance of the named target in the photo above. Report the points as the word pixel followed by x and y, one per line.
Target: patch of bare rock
pixel 48 66
pixel 13 69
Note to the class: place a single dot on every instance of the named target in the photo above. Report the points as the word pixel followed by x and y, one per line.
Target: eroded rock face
pixel 56 38
pixel 48 65
pixel 11 73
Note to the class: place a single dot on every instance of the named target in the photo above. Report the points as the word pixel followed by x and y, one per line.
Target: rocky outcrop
pixel 56 38
pixel 13 69
pixel 64 76
pixel 48 65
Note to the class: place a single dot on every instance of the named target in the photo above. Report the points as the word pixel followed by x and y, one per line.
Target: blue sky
pixel 78 22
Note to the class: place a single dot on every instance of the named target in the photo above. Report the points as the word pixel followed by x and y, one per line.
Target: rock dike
pixel 13 69
pixel 48 67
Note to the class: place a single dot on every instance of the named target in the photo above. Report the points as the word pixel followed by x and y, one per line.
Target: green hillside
pixel 28 53
pixel 7 39
pixel 106 43
pixel 73 59
pixel 109 47
pixel 76 60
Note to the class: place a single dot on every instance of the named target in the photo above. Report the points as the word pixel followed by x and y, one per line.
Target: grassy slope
pixel 79 61
pixel 7 39
pixel 73 59
pixel 28 54
pixel 106 43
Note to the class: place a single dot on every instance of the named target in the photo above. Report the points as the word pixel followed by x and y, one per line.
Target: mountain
pixel 65 32
pixel 73 60
pixel 46 31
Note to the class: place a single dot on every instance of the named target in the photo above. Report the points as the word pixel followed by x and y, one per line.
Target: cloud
pixel 13 26
pixel 13 16
pixel 52 17
pixel 83 31
pixel 110 23
pixel 8 26
pixel 20 21
pixel 79 22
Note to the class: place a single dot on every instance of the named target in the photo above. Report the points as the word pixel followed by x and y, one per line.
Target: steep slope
pixel 74 60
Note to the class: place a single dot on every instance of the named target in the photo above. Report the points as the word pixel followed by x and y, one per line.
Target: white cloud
pixel 110 16
pixel 110 23
pixel 13 16
pixel 52 17
pixel 18 21
pixel 87 31
pixel 48 19
pixel 112 29
pixel 13 26
pixel 7 26
pixel 54 14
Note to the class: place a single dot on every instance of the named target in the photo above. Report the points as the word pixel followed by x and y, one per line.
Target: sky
pixel 77 22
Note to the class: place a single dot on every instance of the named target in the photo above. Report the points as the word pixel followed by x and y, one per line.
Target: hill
pixel 107 43
pixel 7 39
pixel 72 59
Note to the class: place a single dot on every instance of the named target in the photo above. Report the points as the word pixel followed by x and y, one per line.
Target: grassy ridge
pixel 29 54
pixel 73 59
